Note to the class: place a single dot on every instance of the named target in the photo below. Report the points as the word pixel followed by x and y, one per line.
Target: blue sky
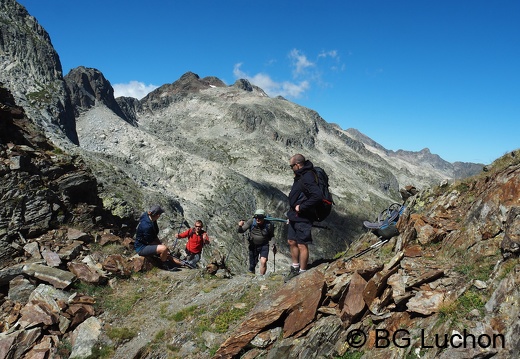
pixel 442 75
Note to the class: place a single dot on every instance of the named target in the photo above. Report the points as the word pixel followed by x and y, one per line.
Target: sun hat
pixel 260 212
pixel 156 209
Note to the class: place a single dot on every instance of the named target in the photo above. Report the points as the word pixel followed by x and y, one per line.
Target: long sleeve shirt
pixel 195 241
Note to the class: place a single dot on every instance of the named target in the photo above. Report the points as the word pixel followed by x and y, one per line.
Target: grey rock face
pixel 88 87
pixel 41 187
pixel 31 69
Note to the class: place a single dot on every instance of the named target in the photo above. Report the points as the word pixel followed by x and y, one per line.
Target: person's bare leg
pixel 295 251
pixel 303 249
pixel 263 265
pixel 163 252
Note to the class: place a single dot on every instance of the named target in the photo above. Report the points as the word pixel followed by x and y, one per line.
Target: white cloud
pixel 300 62
pixel 134 89
pixel 271 87
pixel 332 53
pixel 304 72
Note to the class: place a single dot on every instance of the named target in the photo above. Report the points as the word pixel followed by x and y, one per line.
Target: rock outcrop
pixel 41 188
pixel 31 69
pixel 88 87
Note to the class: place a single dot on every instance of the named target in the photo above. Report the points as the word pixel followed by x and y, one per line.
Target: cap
pixel 156 209
pixel 260 212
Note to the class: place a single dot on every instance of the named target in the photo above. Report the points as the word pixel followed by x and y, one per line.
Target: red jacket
pixel 195 241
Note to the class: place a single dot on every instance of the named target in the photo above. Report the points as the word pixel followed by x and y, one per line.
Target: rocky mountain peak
pixel 31 69
pixel 88 87
pixel 245 85
pixel 31 56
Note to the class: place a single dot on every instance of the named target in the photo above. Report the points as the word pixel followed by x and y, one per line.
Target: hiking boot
pixel 293 273
pixel 170 266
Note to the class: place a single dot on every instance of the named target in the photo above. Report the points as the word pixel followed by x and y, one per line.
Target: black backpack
pixel 325 207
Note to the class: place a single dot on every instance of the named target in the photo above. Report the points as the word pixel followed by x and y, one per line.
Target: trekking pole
pixel 276 219
pixel 373 246
pixel 229 252
pixel 272 219
pixel 178 232
pixel 204 243
pixel 274 257
pixel 183 262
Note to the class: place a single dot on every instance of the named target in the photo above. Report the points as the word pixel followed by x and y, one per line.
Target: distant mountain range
pixel 201 148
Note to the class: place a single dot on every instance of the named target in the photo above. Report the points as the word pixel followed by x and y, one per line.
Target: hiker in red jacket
pixel 197 238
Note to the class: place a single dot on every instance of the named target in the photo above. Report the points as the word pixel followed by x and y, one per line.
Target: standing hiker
pixel 197 238
pixel 147 242
pixel 260 233
pixel 304 196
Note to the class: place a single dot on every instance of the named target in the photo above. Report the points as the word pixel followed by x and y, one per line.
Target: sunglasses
pixel 294 164
pixel 199 226
pixel 260 217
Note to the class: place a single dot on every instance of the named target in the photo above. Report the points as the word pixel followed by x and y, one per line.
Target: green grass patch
pixel 480 269
pixel 122 302
pixel 101 352
pixel 64 348
pixel 120 335
pixel 351 355
pixel 458 310
pixel 223 320
pixel 160 335
pixel 93 290
pixel 181 315
pixel 507 268
pixel 462 187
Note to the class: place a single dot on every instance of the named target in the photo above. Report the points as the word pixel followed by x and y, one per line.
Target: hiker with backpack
pixel 147 242
pixel 197 238
pixel 261 231
pixel 304 198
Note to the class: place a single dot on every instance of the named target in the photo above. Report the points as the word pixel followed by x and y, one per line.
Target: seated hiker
pixel 260 233
pixel 147 242
pixel 197 238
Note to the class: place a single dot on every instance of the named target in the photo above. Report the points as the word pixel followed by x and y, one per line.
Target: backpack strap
pixel 253 224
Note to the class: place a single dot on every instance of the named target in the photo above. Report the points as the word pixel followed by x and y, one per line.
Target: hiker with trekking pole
pixel 197 239
pixel 261 231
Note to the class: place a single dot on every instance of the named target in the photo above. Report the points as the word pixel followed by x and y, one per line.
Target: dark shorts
pixel 300 232
pixel 255 251
pixel 262 250
pixel 148 250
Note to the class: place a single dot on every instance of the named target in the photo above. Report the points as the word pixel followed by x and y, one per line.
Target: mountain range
pixel 204 149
